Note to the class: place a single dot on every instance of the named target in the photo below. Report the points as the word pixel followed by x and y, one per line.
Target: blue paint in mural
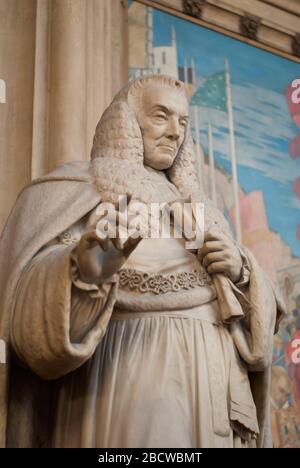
pixel 263 128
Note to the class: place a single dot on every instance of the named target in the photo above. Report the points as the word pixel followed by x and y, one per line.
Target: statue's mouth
pixel 168 147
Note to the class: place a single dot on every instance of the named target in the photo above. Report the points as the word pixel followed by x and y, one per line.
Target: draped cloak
pixel 43 211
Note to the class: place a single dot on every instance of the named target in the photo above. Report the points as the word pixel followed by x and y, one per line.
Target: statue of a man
pixel 137 342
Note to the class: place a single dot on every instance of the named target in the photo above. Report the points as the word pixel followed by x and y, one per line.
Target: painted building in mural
pixel 266 134
pixel 149 58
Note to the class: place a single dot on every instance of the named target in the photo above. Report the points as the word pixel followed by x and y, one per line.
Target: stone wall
pixel 62 62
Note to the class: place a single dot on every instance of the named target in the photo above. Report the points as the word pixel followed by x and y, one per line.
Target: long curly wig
pixel 118 152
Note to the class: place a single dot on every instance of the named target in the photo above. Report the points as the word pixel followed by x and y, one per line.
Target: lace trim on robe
pixel 161 284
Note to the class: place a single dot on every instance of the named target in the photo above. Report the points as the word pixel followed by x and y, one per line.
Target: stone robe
pixel 143 360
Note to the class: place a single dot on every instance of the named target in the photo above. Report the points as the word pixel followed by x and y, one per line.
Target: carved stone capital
pixel 249 25
pixel 296 44
pixel 194 7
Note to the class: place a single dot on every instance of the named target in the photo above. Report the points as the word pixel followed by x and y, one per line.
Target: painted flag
pixel 212 93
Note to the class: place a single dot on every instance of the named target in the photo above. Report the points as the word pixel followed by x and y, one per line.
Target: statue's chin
pixel 162 162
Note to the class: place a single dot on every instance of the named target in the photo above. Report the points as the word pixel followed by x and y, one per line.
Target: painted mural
pixel 246 131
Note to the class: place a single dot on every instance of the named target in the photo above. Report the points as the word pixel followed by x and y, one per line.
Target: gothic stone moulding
pixel 249 26
pixel 194 7
pixel 272 30
pixel 296 44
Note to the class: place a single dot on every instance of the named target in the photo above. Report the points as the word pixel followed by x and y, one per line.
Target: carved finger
pixel 213 235
pixel 90 236
pixel 131 244
pixel 212 257
pixel 217 267
pixel 209 246
pixel 104 243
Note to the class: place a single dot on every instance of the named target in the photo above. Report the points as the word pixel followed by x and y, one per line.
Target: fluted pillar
pixel 17 43
pixel 81 62
pixel 107 65
pixel 67 116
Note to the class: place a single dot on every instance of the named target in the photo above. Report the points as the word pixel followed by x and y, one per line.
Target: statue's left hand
pixel 219 254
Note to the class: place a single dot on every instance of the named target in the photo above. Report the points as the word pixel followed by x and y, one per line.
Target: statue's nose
pixel 173 130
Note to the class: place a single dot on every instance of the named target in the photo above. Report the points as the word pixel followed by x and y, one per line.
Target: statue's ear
pixel 118 131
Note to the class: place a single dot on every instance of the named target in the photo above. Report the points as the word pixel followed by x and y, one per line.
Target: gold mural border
pixel 218 29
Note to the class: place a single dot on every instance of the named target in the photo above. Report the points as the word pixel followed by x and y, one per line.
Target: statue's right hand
pixel 100 258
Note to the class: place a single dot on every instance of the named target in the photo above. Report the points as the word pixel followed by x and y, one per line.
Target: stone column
pixel 67 115
pixel 81 62
pixel 40 133
pixel 107 66
pixel 17 44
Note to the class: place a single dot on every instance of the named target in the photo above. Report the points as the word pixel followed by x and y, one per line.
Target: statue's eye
pixel 183 123
pixel 160 117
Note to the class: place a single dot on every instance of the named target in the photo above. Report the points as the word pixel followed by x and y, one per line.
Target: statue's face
pixel 163 118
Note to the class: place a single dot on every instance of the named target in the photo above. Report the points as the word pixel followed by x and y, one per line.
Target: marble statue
pixel 135 342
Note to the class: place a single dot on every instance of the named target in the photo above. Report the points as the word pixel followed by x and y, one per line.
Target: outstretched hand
pixel 100 257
